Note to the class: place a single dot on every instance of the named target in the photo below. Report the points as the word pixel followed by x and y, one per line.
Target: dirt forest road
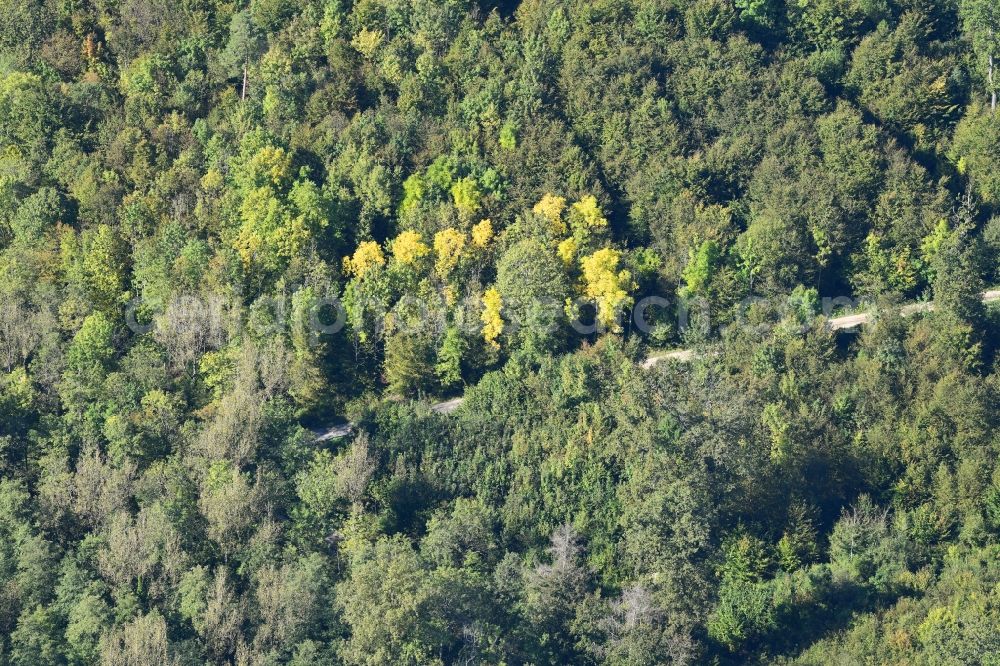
pixel 682 355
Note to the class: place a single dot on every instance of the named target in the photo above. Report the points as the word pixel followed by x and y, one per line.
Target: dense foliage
pixel 222 224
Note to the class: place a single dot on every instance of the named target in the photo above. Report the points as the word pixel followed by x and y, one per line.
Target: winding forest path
pixel 682 355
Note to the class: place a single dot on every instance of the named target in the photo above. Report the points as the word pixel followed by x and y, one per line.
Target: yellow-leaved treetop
pixel 450 295
pixel 492 321
pixel 408 248
pixel 366 257
pixel 567 250
pixel 448 246
pixel 271 165
pixel 587 211
pixel 607 286
pixel 482 233
pixel 212 180
pixel 367 41
pixel 551 208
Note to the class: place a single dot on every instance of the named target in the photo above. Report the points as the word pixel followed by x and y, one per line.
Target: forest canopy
pixel 227 226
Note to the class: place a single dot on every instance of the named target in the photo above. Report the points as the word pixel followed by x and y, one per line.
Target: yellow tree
pixel 492 321
pixel 366 296
pixel 607 286
pixel 551 208
pixel 366 257
pixel 577 229
pixel 587 214
pixel 482 233
pixel 566 249
pixel 408 248
pixel 587 228
pixel 448 247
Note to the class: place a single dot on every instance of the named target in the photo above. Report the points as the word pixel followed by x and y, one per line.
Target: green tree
pixel 243 48
pixel 745 610
pixel 981 23
pixel 958 287
pixel 450 356
pixel 533 287
pixel 401 611
pixel 409 365
pixel 93 343
pixel 975 152
pixel 700 269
